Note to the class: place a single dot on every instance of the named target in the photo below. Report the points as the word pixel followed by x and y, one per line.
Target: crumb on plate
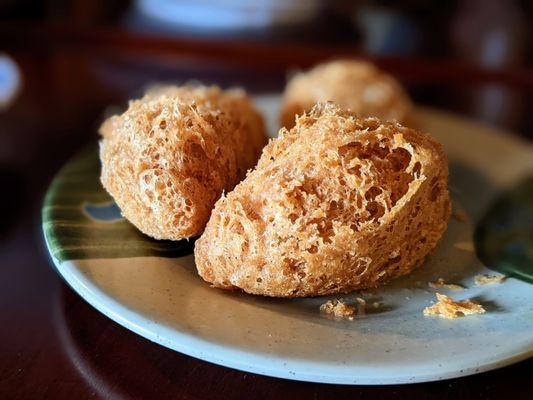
pixel 439 283
pixel 446 307
pixel 339 309
pixel 486 279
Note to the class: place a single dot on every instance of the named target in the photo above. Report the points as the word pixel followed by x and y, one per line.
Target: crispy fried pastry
pixel 169 157
pixel 336 204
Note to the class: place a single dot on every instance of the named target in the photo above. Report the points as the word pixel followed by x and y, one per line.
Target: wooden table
pixel 54 345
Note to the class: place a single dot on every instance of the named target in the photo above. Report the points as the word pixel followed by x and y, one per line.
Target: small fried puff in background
pixel 354 85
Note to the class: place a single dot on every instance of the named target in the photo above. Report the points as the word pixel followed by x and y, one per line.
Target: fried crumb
pixel 460 215
pixel 446 307
pixel 439 283
pixel 339 309
pixel 455 286
pixel 376 304
pixel 485 279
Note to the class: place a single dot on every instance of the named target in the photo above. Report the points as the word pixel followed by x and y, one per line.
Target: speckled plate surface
pixel 151 287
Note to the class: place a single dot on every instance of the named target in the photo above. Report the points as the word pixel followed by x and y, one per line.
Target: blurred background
pixel 64 63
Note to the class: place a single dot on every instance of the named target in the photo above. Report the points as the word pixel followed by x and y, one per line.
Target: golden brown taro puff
pixel 335 204
pixel 170 156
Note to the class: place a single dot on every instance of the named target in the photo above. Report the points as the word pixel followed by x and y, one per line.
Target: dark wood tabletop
pixel 52 343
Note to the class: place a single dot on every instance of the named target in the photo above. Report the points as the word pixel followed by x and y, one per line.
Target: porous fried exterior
pixel 334 205
pixel 169 157
pixel 354 85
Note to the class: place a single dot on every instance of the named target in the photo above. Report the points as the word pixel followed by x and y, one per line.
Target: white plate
pixel 164 300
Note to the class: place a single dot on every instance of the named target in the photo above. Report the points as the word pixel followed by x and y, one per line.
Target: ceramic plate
pixel 151 287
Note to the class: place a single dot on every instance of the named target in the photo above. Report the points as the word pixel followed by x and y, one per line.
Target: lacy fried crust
pixel 335 204
pixel 169 157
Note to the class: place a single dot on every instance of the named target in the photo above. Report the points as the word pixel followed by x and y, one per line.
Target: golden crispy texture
pixel 449 308
pixel 170 156
pixel 354 85
pixel 439 283
pixel 338 309
pixel 334 205
pixel 488 279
